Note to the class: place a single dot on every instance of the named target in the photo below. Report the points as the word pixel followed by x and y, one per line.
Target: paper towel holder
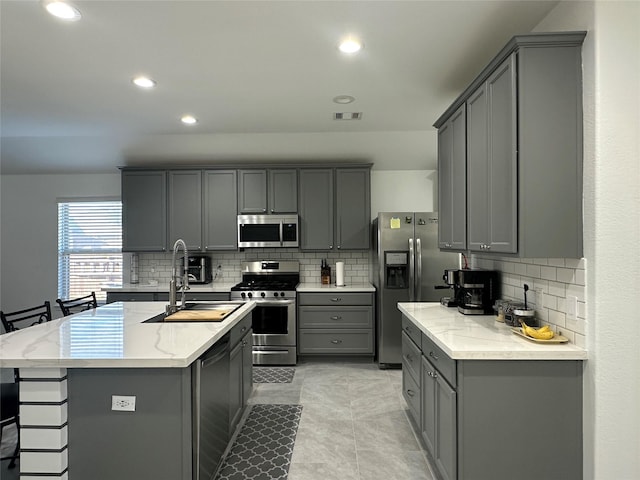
pixel 339 274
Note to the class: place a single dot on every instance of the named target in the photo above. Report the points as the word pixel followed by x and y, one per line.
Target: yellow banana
pixel 543 333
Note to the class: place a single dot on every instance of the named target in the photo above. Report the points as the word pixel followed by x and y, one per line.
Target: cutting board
pixel 198 316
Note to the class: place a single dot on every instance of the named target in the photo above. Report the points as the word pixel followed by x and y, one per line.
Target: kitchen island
pixel 71 368
pixel 487 403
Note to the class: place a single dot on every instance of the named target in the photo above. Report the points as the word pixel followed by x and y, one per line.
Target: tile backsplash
pixel 157 266
pixel 559 280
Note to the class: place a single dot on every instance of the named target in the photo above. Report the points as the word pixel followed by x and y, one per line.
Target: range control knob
pixel 243 294
pixel 282 294
pixel 275 294
pixel 262 294
pixel 250 294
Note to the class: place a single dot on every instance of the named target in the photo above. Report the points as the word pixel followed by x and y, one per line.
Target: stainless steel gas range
pixel 272 284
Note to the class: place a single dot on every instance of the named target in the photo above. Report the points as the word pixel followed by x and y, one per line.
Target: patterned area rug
pixel 262 450
pixel 273 374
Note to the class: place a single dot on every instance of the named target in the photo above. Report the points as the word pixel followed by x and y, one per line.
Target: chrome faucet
pixel 183 277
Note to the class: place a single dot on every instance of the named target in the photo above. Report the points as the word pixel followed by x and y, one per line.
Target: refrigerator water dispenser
pixel 396 269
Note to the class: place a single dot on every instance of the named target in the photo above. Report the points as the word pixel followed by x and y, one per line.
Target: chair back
pixel 80 304
pixel 13 321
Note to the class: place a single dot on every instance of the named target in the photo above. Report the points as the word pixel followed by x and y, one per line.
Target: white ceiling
pixel 259 75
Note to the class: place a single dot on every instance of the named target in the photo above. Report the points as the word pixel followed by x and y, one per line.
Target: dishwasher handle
pixel 215 353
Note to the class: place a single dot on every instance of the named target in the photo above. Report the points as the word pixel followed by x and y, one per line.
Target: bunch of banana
pixel 543 333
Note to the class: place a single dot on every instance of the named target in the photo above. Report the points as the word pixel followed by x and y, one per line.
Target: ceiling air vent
pixel 347 116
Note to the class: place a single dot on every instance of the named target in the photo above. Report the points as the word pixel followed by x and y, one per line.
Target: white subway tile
pixel 54 391
pixel 548 273
pixel 520 269
pixel 43 462
pixel 565 275
pixel 556 262
pixel 533 271
pixel 557 289
pixel 557 318
pixel 44 438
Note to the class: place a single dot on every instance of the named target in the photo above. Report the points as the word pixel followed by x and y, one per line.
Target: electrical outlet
pixel 572 307
pixel 123 403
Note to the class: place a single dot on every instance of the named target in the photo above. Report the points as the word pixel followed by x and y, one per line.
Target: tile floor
pixel 354 423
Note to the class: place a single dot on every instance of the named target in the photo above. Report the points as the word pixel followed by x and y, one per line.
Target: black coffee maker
pixel 477 291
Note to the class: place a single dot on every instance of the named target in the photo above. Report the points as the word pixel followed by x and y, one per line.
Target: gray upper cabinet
pixel 335 208
pixel 283 190
pixel 524 149
pixel 185 208
pixel 252 191
pixel 144 211
pixel 267 191
pixel 492 157
pixel 452 180
pixel 220 207
pixel 353 208
pixel 316 209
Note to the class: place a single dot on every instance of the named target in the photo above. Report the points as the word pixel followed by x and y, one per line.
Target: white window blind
pixel 89 247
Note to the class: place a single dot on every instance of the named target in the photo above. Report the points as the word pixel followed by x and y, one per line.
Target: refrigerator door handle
pixel 412 271
pixel 418 284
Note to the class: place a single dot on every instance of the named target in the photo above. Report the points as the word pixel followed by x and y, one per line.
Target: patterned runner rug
pixel 263 448
pixel 273 374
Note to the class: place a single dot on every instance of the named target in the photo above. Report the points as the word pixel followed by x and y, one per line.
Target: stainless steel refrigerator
pixel 406 267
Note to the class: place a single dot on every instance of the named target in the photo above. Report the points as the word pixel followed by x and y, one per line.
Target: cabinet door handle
pixel 432 374
pixel 408 357
pixel 330 247
pixel 336 342
pixel 336 317
pixel 411 393
pixel 431 354
pixel 336 299
pixel 243 329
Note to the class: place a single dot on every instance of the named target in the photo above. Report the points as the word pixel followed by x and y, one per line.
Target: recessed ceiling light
pixel 189 120
pixel 343 99
pixel 62 10
pixel 144 82
pixel 350 45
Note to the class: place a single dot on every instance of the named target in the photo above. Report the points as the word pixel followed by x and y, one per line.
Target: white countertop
pixel 318 287
pixel 480 337
pixel 164 287
pixel 114 336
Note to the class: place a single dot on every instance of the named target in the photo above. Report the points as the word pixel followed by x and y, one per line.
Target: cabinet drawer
pixel 335 341
pixel 412 331
pixel 445 364
pixel 336 298
pixel 240 329
pixel 331 317
pixel 411 356
pixel 411 393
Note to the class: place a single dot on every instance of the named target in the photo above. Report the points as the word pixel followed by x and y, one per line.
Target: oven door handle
pixel 265 302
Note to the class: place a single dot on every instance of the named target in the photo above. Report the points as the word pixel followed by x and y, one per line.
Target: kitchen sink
pixel 213 306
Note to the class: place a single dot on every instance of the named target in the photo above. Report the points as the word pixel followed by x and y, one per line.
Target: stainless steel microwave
pixel 268 231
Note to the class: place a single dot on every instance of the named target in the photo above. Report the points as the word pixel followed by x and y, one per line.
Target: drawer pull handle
pixel 411 393
pixel 336 299
pixel 431 354
pixel 336 342
pixel 336 317
pixel 244 329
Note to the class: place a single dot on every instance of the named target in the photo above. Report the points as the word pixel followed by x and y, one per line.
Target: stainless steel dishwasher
pixel 210 409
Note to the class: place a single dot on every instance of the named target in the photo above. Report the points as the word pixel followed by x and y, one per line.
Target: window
pixel 89 247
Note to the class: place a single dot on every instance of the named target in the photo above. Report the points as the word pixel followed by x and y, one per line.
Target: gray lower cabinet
pixel 524 151
pixel 479 419
pixel 241 371
pixel 452 180
pixel 335 208
pixel 185 208
pixel 220 205
pixel 335 324
pixel 144 211
pixel 131 297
